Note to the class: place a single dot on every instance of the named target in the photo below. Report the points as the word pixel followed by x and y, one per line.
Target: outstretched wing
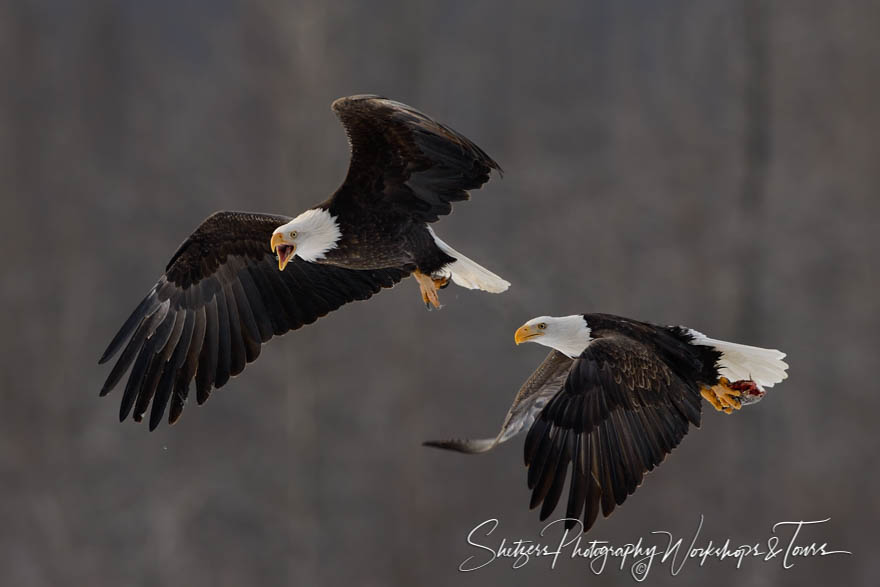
pixel 220 298
pixel 534 394
pixel 404 161
pixel 620 412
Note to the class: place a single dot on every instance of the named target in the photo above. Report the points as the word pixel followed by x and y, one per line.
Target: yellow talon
pixel 710 397
pixel 722 397
pixel 428 287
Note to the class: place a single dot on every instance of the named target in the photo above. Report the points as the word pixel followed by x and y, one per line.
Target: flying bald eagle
pixel 612 399
pixel 222 296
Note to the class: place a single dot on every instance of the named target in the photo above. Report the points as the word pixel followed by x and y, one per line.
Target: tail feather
pixel 738 361
pixel 469 274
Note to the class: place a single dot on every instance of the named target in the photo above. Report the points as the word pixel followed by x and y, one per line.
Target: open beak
pixel 283 250
pixel 526 333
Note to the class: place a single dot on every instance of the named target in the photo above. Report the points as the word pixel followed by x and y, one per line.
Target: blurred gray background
pixel 713 164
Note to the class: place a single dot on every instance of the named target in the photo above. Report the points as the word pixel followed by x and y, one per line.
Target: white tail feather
pixel 738 361
pixel 467 273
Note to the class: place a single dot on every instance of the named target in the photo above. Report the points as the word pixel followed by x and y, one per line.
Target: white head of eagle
pixel 569 335
pixel 308 236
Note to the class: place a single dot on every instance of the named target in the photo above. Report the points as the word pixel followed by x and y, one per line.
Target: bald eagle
pixel 612 399
pixel 222 297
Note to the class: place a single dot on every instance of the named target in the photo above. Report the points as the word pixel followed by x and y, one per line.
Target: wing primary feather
pixel 577 493
pixel 171 370
pixel 144 362
pixel 165 329
pixel 208 357
pixel 547 472
pixel 191 361
pixel 178 402
pixel 148 305
pixel 539 460
pixel 190 365
pixel 594 490
pixel 224 348
pixel 607 473
pixel 148 381
pixel 157 367
pixel 134 344
pixel 534 438
pixel 555 491
pixel 135 379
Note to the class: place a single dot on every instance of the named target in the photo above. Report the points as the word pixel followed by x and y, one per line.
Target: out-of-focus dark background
pixel 713 164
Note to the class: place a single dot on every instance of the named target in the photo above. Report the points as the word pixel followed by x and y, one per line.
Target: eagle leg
pixel 428 288
pixel 722 396
pixel 441 282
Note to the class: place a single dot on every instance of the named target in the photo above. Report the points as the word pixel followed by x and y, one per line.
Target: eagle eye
pixel 542 326
pixel 292 234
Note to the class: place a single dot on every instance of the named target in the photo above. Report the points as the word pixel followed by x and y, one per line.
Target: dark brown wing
pixel 620 412
pixel 404 161
pixel 221 297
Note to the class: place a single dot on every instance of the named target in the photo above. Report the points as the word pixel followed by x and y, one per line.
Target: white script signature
pixel 785 546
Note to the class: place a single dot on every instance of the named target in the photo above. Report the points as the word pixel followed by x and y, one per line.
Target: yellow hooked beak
pixel 525 333
pixel 282 249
